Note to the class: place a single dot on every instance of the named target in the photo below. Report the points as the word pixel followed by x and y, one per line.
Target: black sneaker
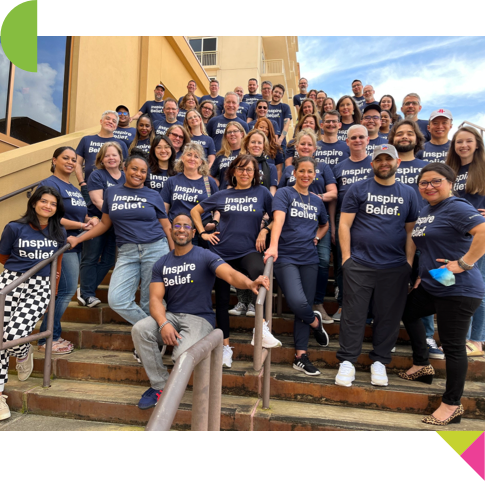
pixel 303 364
pixel 319 332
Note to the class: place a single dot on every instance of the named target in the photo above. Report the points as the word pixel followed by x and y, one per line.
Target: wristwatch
pixel 316 237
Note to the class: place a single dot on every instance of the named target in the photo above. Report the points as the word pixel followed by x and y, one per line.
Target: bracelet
pixel 162 326
pixel 267 228
pixel 318 238
pixel 203 232
pixel 464 265
pixel 81 183
pixel 216 222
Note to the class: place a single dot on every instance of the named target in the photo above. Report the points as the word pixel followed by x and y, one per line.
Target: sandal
pixel 472 350
pixel 65 342
pixel 57 348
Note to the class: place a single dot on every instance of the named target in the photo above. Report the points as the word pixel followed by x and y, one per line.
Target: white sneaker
pixel 393 349
pixel 239 310
pixel 4 409
pixel 251 312
pixel 378 374
pixel 346 374
pixel 269 340
pixel 227 356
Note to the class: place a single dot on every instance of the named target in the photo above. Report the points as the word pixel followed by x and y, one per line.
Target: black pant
pixel 453 313
pixel 251 265
pixel 388 289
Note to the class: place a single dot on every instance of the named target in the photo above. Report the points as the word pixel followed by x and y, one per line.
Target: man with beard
pixel 358 93
pixel 252 96
pixel 377 219
pixel 124 132
pixel 243 109
pixel 214 96
pixel 302 85
pixel 411 106
pixel 153 107
pixel 171 110
pixel 371 118
pixel 184 278
pixel 369 99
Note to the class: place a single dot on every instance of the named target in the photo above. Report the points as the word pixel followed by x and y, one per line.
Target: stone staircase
pixel 100 381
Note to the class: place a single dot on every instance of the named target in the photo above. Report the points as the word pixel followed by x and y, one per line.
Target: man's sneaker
pixel 26 366
pixel 137 357
pixel 251 312
pixel 239 310
pixel 269 340
pixel 149 398
pixel 227 356
pixel 4 409
pixel 319 332
pixel 393 349
pixel 80 299
pixel 303 364
pixel 326 319
pixel 346 374
pixel 434 351
pixel 337 315
pixel 378 376
pixel 92 301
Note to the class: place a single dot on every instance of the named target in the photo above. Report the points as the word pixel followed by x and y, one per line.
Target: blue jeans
pixel 477 327
pixel 323 248
pixel 93 269
pixel 67 288
pixel 134 263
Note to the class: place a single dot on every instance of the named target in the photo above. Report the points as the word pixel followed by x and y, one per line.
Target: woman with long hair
pixel 386 124
pixel 194 125
pixel 230 148
pixel 275 151
pixel 161 163
pixel 179 137
pixel 328 104
pixel 241 249
pixel 467 159
pixel 308 106
pixel 312 94
pixel 207 110
pixel 189 102
pixel 387 102
pixel 349 113
pixel 307 122
pixel 144 134
pixel 75 220
pixel 25 242
pixel 450 235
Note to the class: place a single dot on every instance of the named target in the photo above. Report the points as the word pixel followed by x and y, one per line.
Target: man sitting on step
pixel 184 278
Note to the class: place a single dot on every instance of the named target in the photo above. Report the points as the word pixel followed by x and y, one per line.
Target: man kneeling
pixel 184 277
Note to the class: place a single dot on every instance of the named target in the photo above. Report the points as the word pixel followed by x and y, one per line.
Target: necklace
pixel 306 207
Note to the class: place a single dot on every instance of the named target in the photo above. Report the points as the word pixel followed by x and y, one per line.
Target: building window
pixel 205 49
pixel 38 100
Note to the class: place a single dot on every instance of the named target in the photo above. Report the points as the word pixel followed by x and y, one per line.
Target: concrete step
pixel 115 337
pixel 111 403
pixel 286 383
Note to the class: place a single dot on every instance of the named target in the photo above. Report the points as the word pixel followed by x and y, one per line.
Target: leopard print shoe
pixel 425 374
pixel 454 418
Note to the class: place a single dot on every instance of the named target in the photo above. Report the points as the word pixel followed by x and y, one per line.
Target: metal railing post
pixel 50 326
pixel 266 380
pixel 200 397
pixel 215 389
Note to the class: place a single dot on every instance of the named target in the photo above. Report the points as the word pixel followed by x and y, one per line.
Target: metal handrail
pixel 262 356
pixel 48 334
pixel 204 358
pixel 481 129
pixel 19 191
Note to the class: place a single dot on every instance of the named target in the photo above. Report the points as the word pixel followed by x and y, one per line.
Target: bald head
pixel 369 93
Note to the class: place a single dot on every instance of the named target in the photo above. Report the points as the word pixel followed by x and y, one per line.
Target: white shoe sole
pixel 236 313
pixel 227 366
pixel 327 321
pixel 250 314
pixel 95 303
pixel 80 300
pixel 340 383
pixel 298 368
pixel 5 415
pixel 378 383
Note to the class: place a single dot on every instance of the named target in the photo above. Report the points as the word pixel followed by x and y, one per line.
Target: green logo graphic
pixel 19 36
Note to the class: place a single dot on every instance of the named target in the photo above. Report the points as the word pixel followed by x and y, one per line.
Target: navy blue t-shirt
pixel 441 232
pixel 423 126
pixel 89 147
pixel 434 153
pixel 161 126
pixel 156 181
pixel 126 134
pixel 101 179
pixel 183 194
pixel 385 136
pixel 251 99
pixel 407 173
pixel 279 113
pixel 242 111
pixel 477 200
pixel 219 167
pixel 304 213
pixel 218 101
pixel 359 101
pixel 348 172
pixel 382 212
pixel 143 145
pixel 297 99
pixel 275 126
pixel 134 214
pixel 154 108
pixel 238 207
pixel 373 143
pixel 217 126
pixel 27 247
pixel 342 133
pixel 181 115
pixel 188 281
pixel 332 153
pixel 273 181
pixel 206 142
pixel 74 203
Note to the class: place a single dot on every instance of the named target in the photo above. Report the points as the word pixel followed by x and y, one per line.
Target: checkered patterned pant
pixel 24 306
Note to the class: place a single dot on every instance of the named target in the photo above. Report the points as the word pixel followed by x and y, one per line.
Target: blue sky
pixel 447 72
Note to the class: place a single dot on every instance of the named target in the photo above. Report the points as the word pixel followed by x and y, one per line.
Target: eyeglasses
pixel 232 132
pixel 372 117
pixel 182 226
pixel 262 108
pixel 411 102
pixel 123 114
pixel 208 108
pixel 331 122
pixel 249 170
pixel 358 137
pixel 181 137
pixel 434 183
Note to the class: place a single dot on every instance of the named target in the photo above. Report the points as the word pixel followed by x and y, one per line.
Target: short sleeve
pixel 209 128
pixel 274 174
pixel 351 204
pixel 213 185
pixel 327 174
pixel 157 270
pixel 211 148
pixel 7 240
pixel 210 203
pixel 284 178
pixel 144 108
pixel 268 201
pixel 80 148
pixel 213 260
pixel 159 205
pixel 464 217
pixel 166 192
pixel 95 182
pixel 322 216
pixel 215 167
pixel 281 201
pixel 290 150
pixel 296 101
pixel 252 111
pixel 105 208
pixel 287 112
pixel 413 207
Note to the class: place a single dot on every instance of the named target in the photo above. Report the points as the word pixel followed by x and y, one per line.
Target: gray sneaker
pixel 337 315
pixel 239 310
pixel 251 312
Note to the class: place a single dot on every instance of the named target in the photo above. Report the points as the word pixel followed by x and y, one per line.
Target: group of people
pixel 203 191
